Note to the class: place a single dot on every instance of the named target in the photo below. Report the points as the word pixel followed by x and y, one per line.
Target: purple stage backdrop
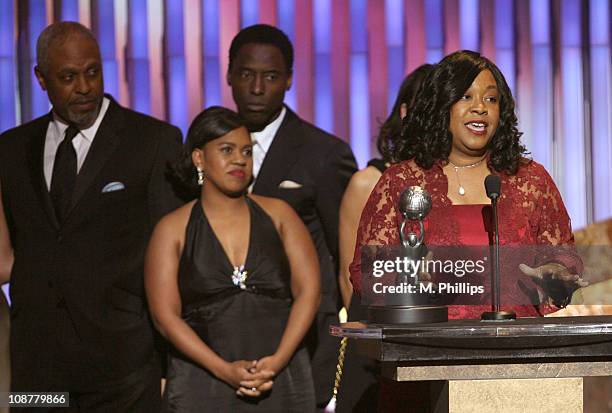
pixel 168 58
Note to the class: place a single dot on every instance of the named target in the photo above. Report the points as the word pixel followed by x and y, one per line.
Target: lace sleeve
pixel 554 226
pixel 552 231
pixel 379 222
pixel 553 223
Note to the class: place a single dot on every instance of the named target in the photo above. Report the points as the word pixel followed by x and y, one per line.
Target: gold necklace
pixel 461 190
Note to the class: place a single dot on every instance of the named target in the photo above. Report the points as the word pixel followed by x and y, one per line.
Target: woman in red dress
pixel 461 129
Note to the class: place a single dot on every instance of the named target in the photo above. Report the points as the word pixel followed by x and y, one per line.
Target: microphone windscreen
pixel 493 186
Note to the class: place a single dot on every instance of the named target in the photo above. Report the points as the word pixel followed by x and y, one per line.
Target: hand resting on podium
pixel 595 299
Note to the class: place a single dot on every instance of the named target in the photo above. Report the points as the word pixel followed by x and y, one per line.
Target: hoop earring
pixel 200 176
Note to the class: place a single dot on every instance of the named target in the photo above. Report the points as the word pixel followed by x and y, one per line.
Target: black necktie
pixel 64 174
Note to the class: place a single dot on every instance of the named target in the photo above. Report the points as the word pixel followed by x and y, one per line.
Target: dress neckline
pixel 471 205
pixel 231 267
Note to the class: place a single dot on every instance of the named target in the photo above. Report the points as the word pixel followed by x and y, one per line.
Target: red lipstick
pixel 238 173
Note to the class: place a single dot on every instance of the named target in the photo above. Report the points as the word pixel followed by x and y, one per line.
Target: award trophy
pixel 414 205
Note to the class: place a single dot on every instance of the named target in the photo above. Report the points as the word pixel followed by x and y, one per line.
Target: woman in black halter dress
pixel 233 285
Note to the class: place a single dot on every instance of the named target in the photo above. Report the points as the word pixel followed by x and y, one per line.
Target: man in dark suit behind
pixel 82 188
pixel 295 161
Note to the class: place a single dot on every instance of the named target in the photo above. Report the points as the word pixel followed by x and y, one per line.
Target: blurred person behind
pixel 363 181
pixel 359 379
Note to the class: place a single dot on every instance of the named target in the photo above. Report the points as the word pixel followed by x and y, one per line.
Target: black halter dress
pixel 238 318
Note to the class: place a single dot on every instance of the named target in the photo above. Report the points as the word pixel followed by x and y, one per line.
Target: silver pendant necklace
pixel 461 190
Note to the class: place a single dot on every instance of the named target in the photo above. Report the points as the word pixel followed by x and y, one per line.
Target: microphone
pixel 493 188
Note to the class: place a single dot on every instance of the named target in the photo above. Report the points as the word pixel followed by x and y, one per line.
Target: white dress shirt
pixel 262 141
pixel 81 142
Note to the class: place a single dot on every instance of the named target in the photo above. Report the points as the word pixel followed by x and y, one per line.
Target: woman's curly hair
pixel 391 130
pixel 427 138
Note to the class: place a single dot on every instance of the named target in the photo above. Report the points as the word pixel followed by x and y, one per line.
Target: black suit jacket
pixel 94 262
pixel 323 165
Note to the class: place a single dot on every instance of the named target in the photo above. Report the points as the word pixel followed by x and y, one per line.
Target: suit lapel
pixel 104 144
pixel 35 154
pixel 281 156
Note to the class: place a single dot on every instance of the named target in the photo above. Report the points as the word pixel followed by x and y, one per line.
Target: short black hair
pixel 211 124
pixel 263 34
pixel 58 32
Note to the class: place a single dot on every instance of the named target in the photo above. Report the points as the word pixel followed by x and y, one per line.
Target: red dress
pixel 530 212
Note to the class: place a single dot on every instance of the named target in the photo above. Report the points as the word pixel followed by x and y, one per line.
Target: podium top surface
pixel 523 327
pixel 529 340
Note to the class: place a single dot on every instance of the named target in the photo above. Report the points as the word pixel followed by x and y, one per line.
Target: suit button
pixel 60 237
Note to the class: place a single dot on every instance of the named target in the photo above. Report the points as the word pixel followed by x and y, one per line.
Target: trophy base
pixel 407 314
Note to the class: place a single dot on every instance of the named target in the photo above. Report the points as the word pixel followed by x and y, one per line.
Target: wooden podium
pixel 527 365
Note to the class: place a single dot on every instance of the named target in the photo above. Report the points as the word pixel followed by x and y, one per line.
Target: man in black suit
pixel 82 188
pixel 295 161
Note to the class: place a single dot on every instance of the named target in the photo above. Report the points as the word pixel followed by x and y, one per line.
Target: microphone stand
pixel 497 314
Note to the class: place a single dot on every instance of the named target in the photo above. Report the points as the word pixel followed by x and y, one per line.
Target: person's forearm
pixel 6 249
pixel 184 339
pixel 302 314
pixel 6 266
pixel 346 287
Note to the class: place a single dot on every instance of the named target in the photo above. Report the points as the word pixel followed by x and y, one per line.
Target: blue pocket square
pixel 112 187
